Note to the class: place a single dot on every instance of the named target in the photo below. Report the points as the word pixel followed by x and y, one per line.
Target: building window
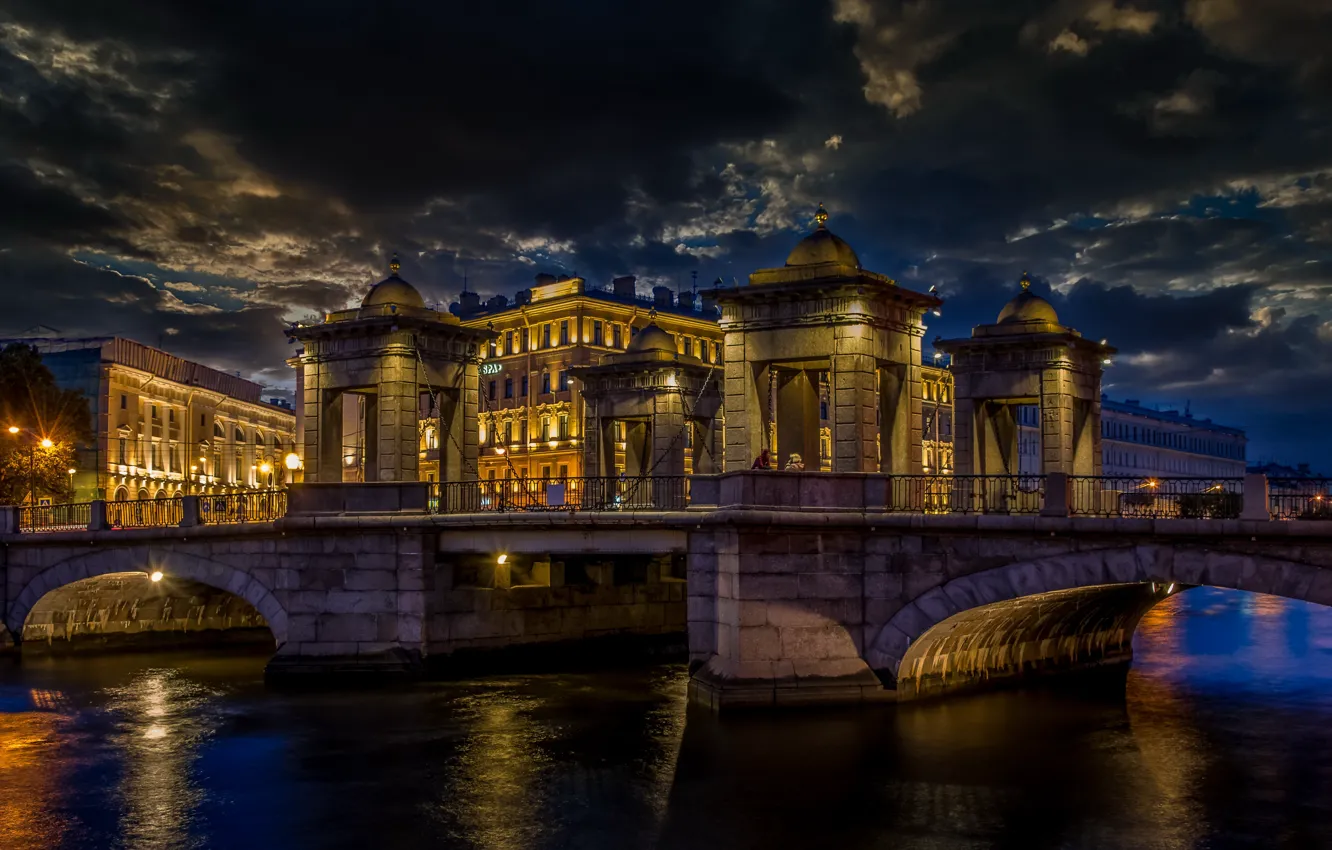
pixel 545 335
pixel 564 426
pixel 236 470
pixel 545 428
pixel 704 351
pixel 545 382
pixel 154 413
pixel 124 402
pixel 508 387
pixel 124 451
pixel 156 457
pixel 493 385
pixel 493 348
pixel 508 343
pixel 432 439
pixel 564 380
pixel 508 432
pixel 823 410
pixel 616 337
pixel 564 470
pixel 564 332
pixel 596 333
pixel 522 344
pixel 716 352
pixel 203 419
pixel 522 430
pixel 171 415
pixel 545 471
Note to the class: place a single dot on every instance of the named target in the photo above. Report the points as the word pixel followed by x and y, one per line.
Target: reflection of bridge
pixel 801 587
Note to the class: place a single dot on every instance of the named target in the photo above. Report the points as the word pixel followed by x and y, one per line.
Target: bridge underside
pixel 128 610
pixel 1031 636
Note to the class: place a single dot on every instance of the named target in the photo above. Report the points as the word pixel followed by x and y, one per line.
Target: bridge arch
pixel 1061 612
pixel 145 559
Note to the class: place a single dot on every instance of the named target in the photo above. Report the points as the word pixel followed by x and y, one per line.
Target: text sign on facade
pixel 491 368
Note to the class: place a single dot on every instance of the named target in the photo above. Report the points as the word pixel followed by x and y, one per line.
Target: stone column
pixel 394 435
pixel 745 401
pixel 668 443
pixel 1056 421
pixel 323 454
pixel 467 433
pixel 895 420
pixel 592 437
pixel 797 415
pixel 964 436
pixel 637 447
pixel 311 404
pixel 855 429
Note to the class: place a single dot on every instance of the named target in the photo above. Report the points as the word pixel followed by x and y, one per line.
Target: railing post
pixel 9 519
pixel 189 511
pixel 97 515
pixel 1058 494
pixel 1257 503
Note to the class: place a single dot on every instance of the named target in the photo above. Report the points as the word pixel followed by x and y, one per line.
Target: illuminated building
pixel 1139 441
pixel 531 412
pixel 165 426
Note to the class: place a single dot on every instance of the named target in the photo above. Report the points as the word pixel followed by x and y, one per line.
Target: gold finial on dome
pixel 821 216
pixel 1025 281
pixel 394 265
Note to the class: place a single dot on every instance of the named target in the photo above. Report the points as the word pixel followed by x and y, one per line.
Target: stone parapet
pixel 397 497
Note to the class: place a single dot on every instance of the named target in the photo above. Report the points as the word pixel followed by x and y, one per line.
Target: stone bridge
pixel 793 588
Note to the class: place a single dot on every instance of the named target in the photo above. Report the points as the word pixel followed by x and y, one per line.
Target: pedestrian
pixel 763 461
pixel 794 463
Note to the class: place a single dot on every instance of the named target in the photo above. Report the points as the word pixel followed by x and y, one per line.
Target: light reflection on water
pixel 1219 737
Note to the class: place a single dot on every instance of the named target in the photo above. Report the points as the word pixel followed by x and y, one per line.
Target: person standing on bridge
pixel 795 463
pixel 763 461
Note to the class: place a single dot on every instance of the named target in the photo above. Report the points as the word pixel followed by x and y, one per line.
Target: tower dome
pixel 652 338
pixel 822 246
pixel 1027 307
pixel 393 290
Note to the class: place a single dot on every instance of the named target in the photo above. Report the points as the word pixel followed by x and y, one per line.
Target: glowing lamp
pixel 265 468
pixel 46 443
pixel 13 429
pixel 156 575
pixel 292 461
pixel 503 558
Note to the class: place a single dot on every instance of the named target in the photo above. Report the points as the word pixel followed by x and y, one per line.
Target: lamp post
pixel 35 440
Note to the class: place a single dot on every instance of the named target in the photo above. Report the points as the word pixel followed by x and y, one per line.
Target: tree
pixel 32 403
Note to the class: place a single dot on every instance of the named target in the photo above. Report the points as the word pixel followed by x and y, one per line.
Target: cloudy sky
pixel 193 174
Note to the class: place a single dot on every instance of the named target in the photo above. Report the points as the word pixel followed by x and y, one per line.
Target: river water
pixel 1222 737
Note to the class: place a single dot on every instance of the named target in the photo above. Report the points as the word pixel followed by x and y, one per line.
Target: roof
pixel 1173 416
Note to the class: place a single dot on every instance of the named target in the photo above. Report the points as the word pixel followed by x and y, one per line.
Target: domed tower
pixel 1026 357
pixel 667 403
pixel 822 321
pixel 374 371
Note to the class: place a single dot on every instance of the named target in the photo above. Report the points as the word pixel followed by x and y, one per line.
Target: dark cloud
pixel 1161 166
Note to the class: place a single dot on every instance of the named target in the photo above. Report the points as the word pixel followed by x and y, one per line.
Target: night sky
pixel 193 174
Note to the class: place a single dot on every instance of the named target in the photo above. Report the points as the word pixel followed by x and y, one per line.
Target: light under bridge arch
pixel 146 559
pixel 1062 612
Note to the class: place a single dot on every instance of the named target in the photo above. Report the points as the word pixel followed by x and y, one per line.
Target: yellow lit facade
pixel 164 426
pixel 531 411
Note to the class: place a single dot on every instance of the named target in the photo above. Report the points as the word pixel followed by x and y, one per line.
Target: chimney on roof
pixel 686 299
pixel 624 287
pixel 661 296
pixel 524 296
pixel 544 278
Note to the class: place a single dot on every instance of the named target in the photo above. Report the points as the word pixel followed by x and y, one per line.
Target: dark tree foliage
pixel 31 401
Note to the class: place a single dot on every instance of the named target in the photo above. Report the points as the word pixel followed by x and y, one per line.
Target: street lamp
pixel 45 443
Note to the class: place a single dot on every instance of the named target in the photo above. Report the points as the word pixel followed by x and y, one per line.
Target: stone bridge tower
pixel 823 316
pixel 668 404
pixel 366 375
pixel 1026 357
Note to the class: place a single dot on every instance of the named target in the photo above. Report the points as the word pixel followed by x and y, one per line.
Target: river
pixel 1221 737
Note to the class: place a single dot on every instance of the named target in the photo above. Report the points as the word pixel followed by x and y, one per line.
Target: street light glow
pixel 292 461
pixel 13 429
pixel 156 576
pixel 46 443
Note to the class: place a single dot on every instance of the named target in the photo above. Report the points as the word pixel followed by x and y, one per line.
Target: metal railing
pixel 70 517
pixel 657 493
pixel 1155 498
pixel 262 506
pixel 966 494
pixel 1300 498
pixel 144 513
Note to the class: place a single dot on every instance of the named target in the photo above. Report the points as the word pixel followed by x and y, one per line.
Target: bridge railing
pixel 1300 498
pixel 657 492
pixel 144 513
pixel 966 494
pixel 261 506
pixel 1148 497
pixel 70 517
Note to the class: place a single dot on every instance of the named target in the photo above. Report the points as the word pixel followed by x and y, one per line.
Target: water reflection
pixel 1219 736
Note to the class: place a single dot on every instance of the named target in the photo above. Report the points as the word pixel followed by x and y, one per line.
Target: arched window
pixel 122 494
pixel 143 495
pixel 259 438
pixel 218 431
pixel 239 435
pixel 161 494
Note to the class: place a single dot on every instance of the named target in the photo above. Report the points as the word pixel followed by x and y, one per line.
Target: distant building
pixel 1300 471
pixel 531 412
pixel 1139 441
pixel 165 426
